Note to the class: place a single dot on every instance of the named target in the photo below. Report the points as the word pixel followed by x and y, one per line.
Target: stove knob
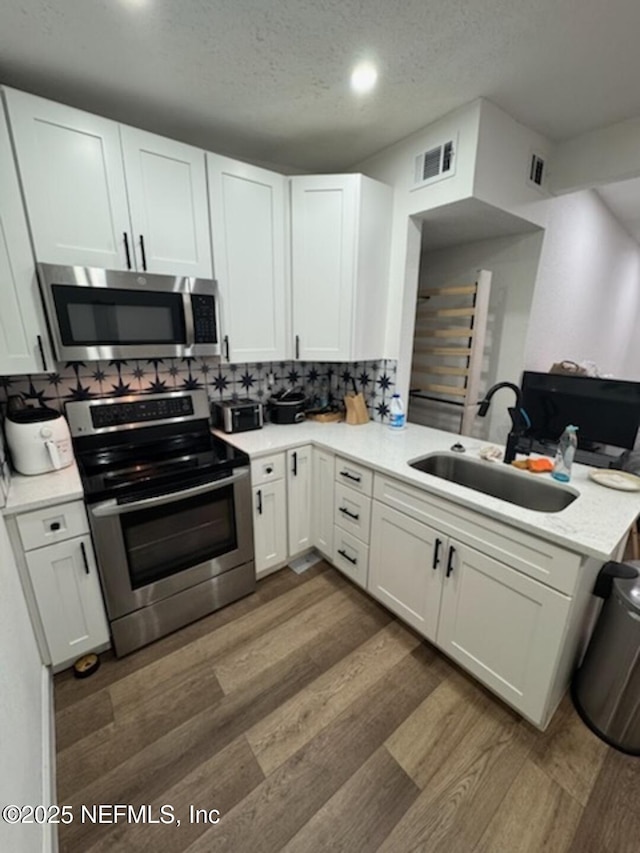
pixel 45 432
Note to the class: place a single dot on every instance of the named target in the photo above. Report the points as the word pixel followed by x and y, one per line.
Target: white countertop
pixel 594 524
pixel 40 490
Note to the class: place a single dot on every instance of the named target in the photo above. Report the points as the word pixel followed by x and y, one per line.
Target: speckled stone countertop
pixel 594 524
pixel 41 490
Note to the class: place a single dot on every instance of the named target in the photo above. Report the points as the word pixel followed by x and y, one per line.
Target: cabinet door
pixel 71 169
pixel 167 190
pixel 502 626
pixel 405 568
pixel 322 506
pixel 248 232
pixel 324 214
pixel 299 499
pixel 21 321
pixel 67 590
pixel 270 526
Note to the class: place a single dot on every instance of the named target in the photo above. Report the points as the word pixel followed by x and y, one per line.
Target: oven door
pixel 152 548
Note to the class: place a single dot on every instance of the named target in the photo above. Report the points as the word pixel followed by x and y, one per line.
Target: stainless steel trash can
pixel 606 688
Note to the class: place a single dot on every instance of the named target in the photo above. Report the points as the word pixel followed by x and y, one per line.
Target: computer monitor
pixel 606 411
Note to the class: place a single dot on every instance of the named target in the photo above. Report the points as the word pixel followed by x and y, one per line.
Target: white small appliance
pixel 38 440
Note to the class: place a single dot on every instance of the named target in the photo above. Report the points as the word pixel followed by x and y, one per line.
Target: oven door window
pixel 167 539
pixel 95 316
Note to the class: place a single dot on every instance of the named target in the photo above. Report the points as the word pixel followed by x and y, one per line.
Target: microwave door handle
pixel 109 508
pixel 190 338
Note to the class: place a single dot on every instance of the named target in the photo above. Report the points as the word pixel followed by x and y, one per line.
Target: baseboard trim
pixel 50 833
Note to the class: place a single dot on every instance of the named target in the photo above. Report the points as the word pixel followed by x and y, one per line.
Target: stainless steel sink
pixel 497 480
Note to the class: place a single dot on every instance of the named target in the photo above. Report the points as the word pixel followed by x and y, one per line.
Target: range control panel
pixel 92 417
pixel 141 411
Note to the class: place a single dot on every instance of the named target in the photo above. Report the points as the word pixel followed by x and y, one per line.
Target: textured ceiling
pixel 268 79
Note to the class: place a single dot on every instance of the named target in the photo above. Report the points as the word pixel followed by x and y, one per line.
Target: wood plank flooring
pixel 314 721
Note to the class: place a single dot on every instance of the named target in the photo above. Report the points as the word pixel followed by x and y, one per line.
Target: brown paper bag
pixel 357 412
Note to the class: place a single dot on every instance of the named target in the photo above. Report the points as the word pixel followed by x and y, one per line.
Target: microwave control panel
pixel 204 319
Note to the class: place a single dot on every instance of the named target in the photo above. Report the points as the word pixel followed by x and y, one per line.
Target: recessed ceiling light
pixel 135 4
pixel 364 77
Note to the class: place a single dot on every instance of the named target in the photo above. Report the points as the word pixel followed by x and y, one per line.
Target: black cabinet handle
pixel 84 557
pixel 345 511
pixel 268 470
pixel 127 253
pixel 436 554
pixel 143 253
pixel 259 501
pixel 295 464
pixel 452 552
pixel 297 346
pixel 347 557
pixel 350 476
pixel 55 525
pixel 41 348
pixel 226 347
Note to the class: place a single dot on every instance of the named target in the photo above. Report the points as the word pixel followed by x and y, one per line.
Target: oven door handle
pixel 109 508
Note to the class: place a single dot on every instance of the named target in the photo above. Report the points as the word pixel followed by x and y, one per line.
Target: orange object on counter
pixel 536 466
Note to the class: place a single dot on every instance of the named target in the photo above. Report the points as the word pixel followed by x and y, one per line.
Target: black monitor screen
pixel 606 411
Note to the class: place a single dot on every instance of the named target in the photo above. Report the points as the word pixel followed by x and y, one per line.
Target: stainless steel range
pixel 170 511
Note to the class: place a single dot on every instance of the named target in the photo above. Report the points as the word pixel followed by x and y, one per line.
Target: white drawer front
pixel 352 511
pixel 267 469
pixel 355 476
pixel 51 525
pixel 351 556
pixel 542 560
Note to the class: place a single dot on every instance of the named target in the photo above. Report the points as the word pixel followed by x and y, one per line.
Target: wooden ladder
pixel 449 345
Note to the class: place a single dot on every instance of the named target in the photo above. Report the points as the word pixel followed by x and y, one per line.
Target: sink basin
pixel 497 480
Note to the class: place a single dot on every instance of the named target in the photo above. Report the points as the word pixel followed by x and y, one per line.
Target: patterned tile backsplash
pixel 321 382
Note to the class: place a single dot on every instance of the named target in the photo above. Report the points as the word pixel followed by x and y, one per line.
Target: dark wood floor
pixel 315 721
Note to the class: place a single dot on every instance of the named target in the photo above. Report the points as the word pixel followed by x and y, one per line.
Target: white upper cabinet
pixel 340 238
pixel 71 168
pixel 101 194
pixel 167 190
pixel 248 214
pixel 22 336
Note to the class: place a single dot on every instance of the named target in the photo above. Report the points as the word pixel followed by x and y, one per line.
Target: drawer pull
pixel 355 516
pixel 436 554
pixel 452 552
pixel 351 476
pixel 55 525
pixel 347 557
pixel 84 557
pixel 295 464
pixel 259 501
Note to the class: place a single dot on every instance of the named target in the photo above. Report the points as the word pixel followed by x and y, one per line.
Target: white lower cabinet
pixel 351 556
pixel 322 501
pixel 270 526
pixel 65 583
pixel 502 626
pixel 401 568
pixel 299 499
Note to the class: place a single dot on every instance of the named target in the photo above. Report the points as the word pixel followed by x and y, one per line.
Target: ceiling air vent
pixel 536 170
pixel 435 164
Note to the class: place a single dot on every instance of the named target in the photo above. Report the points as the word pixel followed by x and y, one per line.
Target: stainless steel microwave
pixel 108 314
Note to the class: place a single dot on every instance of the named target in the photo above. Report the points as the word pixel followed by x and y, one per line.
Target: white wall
pixel 602 156
pixel 502 165
pixel 24 711
pixel 395 166
pixel 513 261
pixel 587 298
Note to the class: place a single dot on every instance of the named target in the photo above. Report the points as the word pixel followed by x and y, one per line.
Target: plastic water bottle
pixel 564 454
pixel 397 417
